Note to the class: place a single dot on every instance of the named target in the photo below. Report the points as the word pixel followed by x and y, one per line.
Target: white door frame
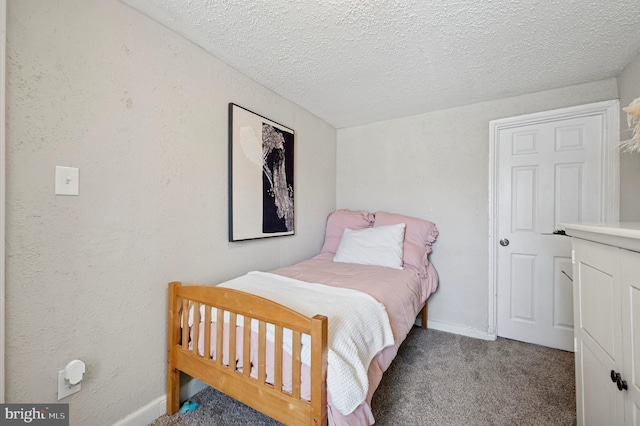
pixel 610 111
pixel 3 130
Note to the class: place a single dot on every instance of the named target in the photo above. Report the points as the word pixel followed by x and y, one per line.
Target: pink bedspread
pixel 401 291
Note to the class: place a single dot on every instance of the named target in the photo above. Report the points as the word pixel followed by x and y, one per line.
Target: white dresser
pixel 606 301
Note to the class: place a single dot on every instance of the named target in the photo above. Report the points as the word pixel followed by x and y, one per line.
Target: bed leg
pixel 173 390
pixel 424 315
pixel 173 333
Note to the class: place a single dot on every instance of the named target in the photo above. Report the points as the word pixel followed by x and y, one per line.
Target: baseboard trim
pixel 459 329
pixel 190 388
pixel 145 414
pixel 156 408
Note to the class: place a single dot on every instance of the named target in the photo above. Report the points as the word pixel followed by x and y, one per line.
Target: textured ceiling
pixel 352 62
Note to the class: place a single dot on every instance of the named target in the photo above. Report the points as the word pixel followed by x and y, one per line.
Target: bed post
pixel 319 351
pixel 173 336
pixel 424 314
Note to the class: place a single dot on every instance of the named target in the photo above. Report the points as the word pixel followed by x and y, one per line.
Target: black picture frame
pixel 261 176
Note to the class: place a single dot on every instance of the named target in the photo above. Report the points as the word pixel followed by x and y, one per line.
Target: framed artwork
pixel 260 176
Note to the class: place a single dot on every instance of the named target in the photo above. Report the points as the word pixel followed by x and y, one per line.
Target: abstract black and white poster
pixel 261 176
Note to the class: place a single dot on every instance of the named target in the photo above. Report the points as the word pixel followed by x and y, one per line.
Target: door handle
pixel 504 242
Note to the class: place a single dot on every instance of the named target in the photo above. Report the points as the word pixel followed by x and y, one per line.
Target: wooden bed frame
pixel 270 399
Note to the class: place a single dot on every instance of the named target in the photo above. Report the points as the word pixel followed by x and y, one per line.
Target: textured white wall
pixel 629 89
pixel 436 166
pixel 143 114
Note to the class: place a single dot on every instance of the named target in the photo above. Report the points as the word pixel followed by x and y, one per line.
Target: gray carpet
pixel 440 378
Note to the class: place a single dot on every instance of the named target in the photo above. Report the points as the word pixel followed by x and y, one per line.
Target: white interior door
pixel 548 171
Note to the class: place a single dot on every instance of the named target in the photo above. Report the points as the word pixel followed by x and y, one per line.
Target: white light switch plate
pixel 67 180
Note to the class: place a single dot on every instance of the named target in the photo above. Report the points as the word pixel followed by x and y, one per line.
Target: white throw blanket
pixel 359 329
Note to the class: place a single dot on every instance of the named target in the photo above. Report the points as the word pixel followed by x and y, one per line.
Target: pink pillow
pixel 418 237
pixel 338 221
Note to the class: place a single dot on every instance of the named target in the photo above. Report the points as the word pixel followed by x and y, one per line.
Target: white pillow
pixel 381 246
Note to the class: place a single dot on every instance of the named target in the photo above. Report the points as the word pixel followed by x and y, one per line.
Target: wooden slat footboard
pixel 268 398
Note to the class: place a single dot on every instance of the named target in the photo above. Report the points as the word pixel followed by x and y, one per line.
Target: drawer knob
pixel 622 385
pixel 617 379
pixel 615 376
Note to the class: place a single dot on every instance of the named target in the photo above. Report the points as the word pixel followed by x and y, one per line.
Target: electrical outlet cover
pixel 64 389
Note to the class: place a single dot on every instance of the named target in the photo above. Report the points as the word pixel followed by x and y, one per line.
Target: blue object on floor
pixel 188 406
